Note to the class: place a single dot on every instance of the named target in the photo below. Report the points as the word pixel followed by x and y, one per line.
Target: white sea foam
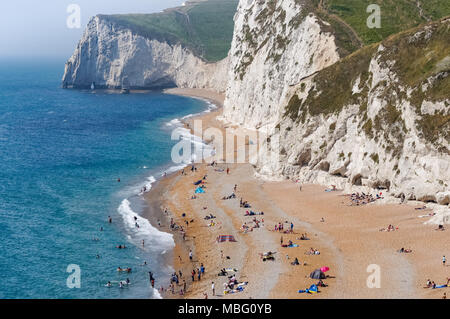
pixel 156 294
pixel 174 122
pixel 155 240
pixel 210 106
pixel 175 168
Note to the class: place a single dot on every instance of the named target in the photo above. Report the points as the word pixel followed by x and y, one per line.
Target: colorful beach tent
pixel 199 190
pixel 317 274
pixel 223 238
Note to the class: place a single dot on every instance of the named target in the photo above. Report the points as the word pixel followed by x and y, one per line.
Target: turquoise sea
pixel 61 155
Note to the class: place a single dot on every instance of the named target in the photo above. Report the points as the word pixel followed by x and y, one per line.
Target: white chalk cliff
pixel 360 120
pixel 114 56
pixel 273 48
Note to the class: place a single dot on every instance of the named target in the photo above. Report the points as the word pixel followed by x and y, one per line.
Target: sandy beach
pixel 349 238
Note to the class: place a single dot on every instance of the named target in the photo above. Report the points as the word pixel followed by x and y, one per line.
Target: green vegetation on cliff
pixel 396 15
pixel 205 27
pixel 419 58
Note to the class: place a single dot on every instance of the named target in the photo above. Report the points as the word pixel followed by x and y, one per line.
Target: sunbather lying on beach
pixel 267 256
pixel 252 213
pixel 404 250
pixel 233 195
pixel 389 228
pixel 312 251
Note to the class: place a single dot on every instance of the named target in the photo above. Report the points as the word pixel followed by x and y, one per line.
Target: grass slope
pixel 205 27
pixel 396 15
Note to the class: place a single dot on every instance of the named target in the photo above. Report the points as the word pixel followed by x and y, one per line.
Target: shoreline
pixel 212 96
pixel 155 197
pixel 403 274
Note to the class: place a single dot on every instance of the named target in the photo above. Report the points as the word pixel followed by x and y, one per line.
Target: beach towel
pixel 289 246
pixel 198 182
pixel 440 286
pixel 223 238
pixel 199 190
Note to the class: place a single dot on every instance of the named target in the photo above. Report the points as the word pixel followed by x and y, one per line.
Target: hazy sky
pixel 39 27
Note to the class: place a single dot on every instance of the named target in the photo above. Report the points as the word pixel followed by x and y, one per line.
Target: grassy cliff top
pixel 205 27
pixel 396 15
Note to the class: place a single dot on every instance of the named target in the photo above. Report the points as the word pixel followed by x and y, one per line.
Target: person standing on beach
pixel 443 261
pixel 193 275
pixel 213 288
pixel 292 227
pixel 190 254
pixel 202 268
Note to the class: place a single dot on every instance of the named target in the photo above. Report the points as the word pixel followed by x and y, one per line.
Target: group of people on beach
pixel 358 199
pixel 280 227
pixel 433 285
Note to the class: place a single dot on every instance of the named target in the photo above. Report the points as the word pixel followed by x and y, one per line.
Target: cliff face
pixel 113 56
pixel 368 121
pixel 275 45
pixel 357 117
